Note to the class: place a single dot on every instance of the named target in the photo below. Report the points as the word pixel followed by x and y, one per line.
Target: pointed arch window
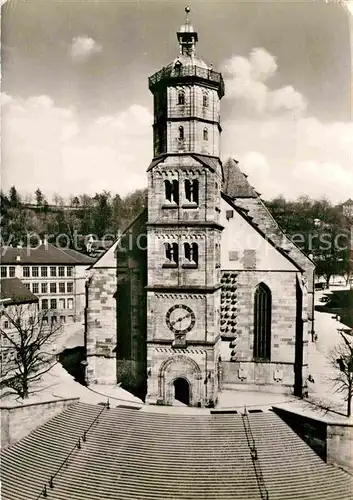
pixel 192 190
pixel 205 134
pixel 181 97
pixel 191 255
pixel 262 323
pixel 181 133
pixel 171 189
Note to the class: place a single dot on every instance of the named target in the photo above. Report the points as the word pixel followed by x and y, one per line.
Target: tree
pixel 26 347
pixel 341 359
pixel 39 197
pixel 15 199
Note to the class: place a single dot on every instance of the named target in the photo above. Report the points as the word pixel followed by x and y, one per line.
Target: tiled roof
pixel 16 291
pixel 43 254
pixel 129 454
pixel 235 182
pixel 244 196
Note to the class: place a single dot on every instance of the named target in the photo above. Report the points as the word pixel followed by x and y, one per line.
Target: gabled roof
pixel 45 253
pixel 244 196
pixel 267 237
pixel 13 291
pixel 235 182
pixel 124 455
pixel 113 247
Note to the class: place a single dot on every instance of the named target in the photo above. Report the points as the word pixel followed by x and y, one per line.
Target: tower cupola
pixel 187 36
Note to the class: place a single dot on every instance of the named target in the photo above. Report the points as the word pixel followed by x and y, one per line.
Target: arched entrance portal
pixel 182 391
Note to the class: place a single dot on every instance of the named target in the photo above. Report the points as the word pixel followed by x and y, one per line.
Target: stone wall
pixel 18 421
pixel 332 441
pixel 340 445
pixel 101 326
pixel 279 373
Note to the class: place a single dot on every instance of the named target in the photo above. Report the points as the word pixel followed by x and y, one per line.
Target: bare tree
pixel 27 348
pixel 341 359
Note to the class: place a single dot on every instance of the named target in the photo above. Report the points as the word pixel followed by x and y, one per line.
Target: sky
pixel 77 112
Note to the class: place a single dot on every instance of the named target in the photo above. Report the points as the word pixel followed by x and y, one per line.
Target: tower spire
pixel 187 36
pixel 187 11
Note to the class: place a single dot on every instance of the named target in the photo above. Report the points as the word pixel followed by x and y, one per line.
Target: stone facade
pixel 101 326
pixel 185 309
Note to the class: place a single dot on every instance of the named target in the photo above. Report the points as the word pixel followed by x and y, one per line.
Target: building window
pixel 181 133
pixel 181 97
pixel 35 288
pixel 3 272
pixel 26 272
pixel 192 190
pixel 44 287
pixel 69 271
pixel 53 271
pixel 61 287
pixel 262 323
pixel 45 320
pixel 191 254
pixel 52 303
pixel 44 272
pixel 61 271
pixel 27 285
pixel 205 100
pixel 62 319
pixel 53 319
pixel 12 271
pixel 52 287
pixel 61 303
pixel 6 325
pixel 172 191
pixel 171 254
pixel 205 134
pixel 69 287
pixel 35 271
pixel 70 303
pixel 45 304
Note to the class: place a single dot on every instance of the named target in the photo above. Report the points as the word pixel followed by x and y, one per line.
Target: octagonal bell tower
pixel 184 232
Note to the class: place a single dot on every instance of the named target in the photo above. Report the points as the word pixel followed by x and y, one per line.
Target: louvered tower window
pixel 192 190
pixel 171 191
pixel 262 323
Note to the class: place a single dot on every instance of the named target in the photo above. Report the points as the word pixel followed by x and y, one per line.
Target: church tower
pixel 184 230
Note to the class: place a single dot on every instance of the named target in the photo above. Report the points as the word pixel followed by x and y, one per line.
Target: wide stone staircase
pixel 100 453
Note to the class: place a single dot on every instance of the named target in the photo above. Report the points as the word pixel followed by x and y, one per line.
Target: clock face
pixel 180 318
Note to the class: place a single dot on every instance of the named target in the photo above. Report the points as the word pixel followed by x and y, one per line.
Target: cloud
pixel 293 157
pixel 49 146
pixel 83 47
pixel 245 80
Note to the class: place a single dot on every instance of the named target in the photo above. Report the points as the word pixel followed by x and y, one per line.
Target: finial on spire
pixel 187 36
pixel 187 11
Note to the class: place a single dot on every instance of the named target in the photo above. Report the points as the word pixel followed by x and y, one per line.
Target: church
pixel 203 291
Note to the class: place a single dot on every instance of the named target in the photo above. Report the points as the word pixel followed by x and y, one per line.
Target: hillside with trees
pixel 316 226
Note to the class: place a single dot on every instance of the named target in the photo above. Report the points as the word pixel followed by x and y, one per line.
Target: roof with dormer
pixel 94 453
